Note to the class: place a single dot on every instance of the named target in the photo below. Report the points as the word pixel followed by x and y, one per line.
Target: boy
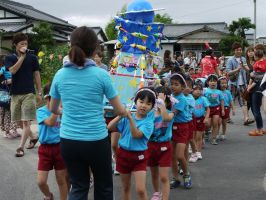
pixel 49 150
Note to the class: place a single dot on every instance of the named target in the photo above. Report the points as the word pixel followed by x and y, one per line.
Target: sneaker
pixel 51 197
pixel 187 181
pixel 14 133
pixel 9 136
pixel 199 155
pixel 157 196
pixel 193 158
pixel 174 183
pixel 218 137
pixel 189 149
pixel 180 171
pixel 223 137
pixel 214 142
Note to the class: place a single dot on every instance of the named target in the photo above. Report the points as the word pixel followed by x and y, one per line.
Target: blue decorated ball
pixel 140 11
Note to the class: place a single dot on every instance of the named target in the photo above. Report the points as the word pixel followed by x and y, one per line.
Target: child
pixel 49 151
pixel 201 114
pixel 9 128
pixel 191 102
pixel 98 59
pixel 181 134
pixel 159 146
pixel 216 100
pixel 228 104
pixel 132 154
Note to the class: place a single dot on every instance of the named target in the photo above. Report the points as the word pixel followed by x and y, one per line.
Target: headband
pixel 147 89
pixel 176 74
pixel 222 77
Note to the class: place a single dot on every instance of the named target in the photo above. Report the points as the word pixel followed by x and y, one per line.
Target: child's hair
pixel 212 77
pixel 167 92
pixel 83 41
pixel 189 80
pixel 99 53
pixel 46 90
pixel 198 82
pixel 259 53
pixel 179 78
pixel 219 82
pixel 18 37
pixel 198 86
pixel 260 47
pixel 146 93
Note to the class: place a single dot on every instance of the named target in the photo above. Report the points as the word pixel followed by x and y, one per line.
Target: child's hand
pixel 162 96
pixel 205 121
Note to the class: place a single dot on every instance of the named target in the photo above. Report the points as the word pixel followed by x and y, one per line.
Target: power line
pixel 212 9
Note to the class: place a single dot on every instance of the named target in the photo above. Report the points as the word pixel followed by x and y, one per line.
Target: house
pixel 189 37
pixel 19 17
pixel 193 36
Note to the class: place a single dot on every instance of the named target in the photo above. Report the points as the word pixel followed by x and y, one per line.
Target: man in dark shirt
pixel 24 68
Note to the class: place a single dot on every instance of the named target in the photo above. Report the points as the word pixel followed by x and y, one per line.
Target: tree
pixel 42 36
pixel 225 43
pixel 240 27
pixel 165 18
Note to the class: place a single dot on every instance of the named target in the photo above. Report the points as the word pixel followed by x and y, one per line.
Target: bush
pixel 51 62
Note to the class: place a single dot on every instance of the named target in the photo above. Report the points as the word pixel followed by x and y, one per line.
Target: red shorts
pixel 216 110
pixel 226 113
pixel 131 161
pixel 191 129
pixel 108 119
pixel 181 133
pixel 199 124
pixel 160 154
pixel 50 157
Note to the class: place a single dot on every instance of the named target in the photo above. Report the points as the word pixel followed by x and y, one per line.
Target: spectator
pixel 237 69
pixel 209 64
pixel 190 60
pixel 24 67
pixel 80 85
pixel 98 59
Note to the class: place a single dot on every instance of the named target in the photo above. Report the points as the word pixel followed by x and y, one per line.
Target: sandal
pixel 255 133
pixel 32 143
pixel 19 152
pixel 249 121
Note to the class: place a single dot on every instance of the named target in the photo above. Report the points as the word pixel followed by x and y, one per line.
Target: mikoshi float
pixel 139 41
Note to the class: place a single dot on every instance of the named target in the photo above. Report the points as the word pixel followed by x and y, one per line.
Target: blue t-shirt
pixel 214 96
pixel 7 74
pixel 162 130
pixel 227 97
pixel 191 105
pixel 126 140
pixel 81 91
pixel 201 104
pixel 182 106
pixel 47 134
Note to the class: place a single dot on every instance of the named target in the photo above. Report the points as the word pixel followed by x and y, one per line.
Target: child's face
pixel 223 84
pixel 196 92
pixel 176 87
pixel 143 106
pixel 188 89
pixel 251 54
pixel 97 58
pixel 212 83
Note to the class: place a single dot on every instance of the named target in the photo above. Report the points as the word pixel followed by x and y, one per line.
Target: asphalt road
pixel 233 170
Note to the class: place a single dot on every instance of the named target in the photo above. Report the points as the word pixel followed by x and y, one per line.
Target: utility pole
pixel 255 22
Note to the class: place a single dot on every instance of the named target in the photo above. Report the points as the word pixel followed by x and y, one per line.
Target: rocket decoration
pixel 139 39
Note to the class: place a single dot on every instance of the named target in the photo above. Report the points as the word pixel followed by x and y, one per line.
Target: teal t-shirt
pixel 81 91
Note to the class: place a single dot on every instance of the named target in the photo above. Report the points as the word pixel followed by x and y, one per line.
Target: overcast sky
pixel 99 12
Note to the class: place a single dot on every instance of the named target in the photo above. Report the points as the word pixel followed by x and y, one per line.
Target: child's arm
pixel 51 121
pixel 112 124
pixel 232 106
pixel 166 116
pixel 207 115
pixel 222 106
pixel 135 132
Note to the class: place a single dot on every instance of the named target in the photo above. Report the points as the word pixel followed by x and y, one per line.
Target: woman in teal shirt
pixel 80 85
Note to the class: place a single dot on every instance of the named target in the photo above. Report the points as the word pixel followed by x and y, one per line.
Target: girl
pixel 49 151
pixel 9 128
pixel 132 154
pixel 228 104
pixel 160 149
pixel 216 100
pixel 98 59
pixel 201 116
pixel 181 134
